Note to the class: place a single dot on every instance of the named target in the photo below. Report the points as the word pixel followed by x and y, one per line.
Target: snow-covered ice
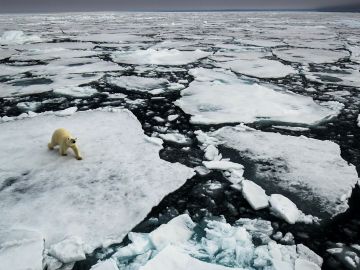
pixel 120 179
pixel 254 194
pixel 176 231
pixel 318 175
pixel 215 103
pixel 306 55
pixel 76 91
pixel 261 68
pixel 171 57
pixel 136 83
pixel 284 208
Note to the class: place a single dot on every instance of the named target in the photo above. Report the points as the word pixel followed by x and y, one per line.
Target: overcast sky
pixel 162 5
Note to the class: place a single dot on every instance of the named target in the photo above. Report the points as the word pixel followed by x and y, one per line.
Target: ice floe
pixel 215 103
pixel 143 84
pixel 284 208
pixel 171 57
pixel 76 91
pixel 113 188
pixel 261 68
pixel 306 56
pixel 254 194
pixel 318 174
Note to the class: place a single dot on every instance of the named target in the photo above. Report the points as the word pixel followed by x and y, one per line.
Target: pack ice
pixel 73 206
pixel 214 244
pixel 229 100
pixel 317 176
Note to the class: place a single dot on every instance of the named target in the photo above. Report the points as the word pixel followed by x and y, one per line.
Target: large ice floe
pixel 318 179
pixel 220 101
pixel 211 245
pixel 165 57
pixel 306 55
pixel 70 207
pixel 254 64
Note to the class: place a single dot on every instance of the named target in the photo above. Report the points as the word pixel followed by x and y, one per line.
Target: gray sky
pixel 162 5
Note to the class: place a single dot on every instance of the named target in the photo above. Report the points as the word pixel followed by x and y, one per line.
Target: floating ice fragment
pixel 177 230
pixel 68 250
pixel 284 208
pixel 222 165
pixel 28 106
pixel 75 91
pixel 175 138
pixel 254 194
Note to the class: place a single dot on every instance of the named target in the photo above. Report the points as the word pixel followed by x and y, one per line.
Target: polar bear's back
pixel 60 135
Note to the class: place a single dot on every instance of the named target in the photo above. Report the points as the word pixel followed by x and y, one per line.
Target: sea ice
pixel 222 165
pixel 284 208
pixel 216 244
pixel 306 55
pixel 109 264
pixel 159 57
pixel 175 138
pixel 215 103
pixel 254 194
pixel 21 249
pixel 113 188
pixel 68 250
pixel 261 68
pixel 176 231
pixel 136 83
pixel 319 175
pixel 17 37
pixel 76 91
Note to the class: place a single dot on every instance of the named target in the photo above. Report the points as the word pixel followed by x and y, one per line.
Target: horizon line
pixel 314 10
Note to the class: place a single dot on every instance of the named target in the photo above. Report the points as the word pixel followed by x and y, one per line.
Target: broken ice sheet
pixel 319 180
pixel 214 244
pixel 35 191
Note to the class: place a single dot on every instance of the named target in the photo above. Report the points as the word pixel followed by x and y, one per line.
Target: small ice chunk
pixel 68 250
pixel 358 120
pixel 154 140
pixel 172 117
pixel 284 208
pixel 175 138
pixel 76 91
pixel 301 264
pixel 254 194
pixel 212 153
pixel 143 84
pixel 66 112
pixel 307 254
pixel 140 244
pixel 222 165
pixel 108 264
pixel 177 230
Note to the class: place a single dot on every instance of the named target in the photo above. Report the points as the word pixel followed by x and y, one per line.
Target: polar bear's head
pixel 70 141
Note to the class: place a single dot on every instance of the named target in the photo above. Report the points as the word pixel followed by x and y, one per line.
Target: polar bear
pixel 65 140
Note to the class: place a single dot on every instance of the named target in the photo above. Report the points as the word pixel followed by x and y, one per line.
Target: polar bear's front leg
pixel 62 149
pixel 76 152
